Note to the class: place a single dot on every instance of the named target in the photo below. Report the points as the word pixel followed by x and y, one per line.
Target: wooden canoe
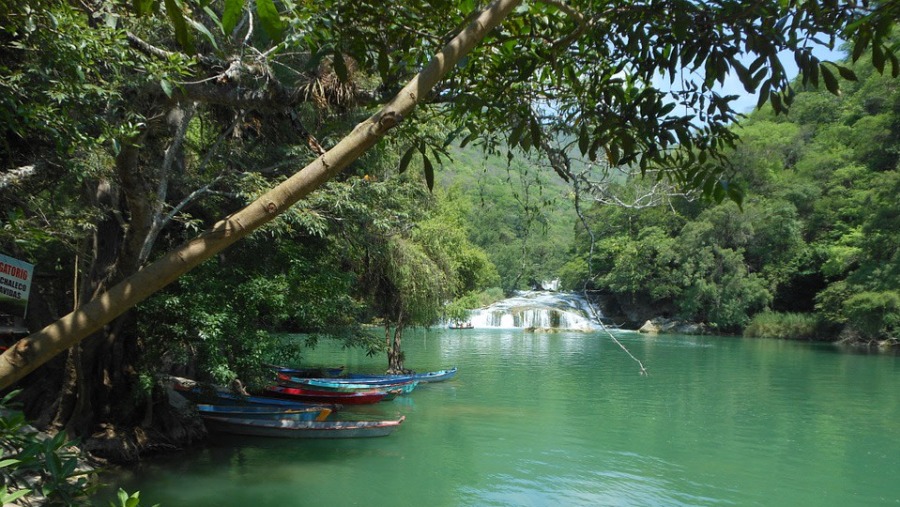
pixel 312 371
pixel 323 384
pixel 431 376
pixel 226 398
pixel 286 428
pixel 313 413
pixel 317 396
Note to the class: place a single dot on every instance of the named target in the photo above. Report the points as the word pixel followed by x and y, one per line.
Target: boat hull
pixel 314 413
pixel 330 397
pixel 431 376
pixel 230 399
pixel 321 384
pixel 286 428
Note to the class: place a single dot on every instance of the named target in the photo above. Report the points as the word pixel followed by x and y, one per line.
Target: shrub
pixel 874 314
pixel 43 470
pixel 35 465
pixel 788 326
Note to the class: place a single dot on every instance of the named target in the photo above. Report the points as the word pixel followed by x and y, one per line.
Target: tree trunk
pixel 395 350
pixel 38 348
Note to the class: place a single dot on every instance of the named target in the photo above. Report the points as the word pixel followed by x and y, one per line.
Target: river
pixel 567 419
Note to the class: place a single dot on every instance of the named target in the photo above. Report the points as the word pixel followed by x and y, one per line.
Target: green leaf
pixel 831 82
pixel 859 47
pixel 776 103
pixel 7 462
pixel 429 172
pixel 516 134
pixel 142 7
pixel 176 16
pixel 468 139
pixel 584 141
pixel 232 15
pixel 718 192
pixel 205 31
pixel 535 129
pixel 166 87
pixel 10 498
pixel 878 58
pixel 214 17
pixel 709 186
pixel 763 94
pixel 846 73
pixel 404 160
pixel 340 66
pixel 269 19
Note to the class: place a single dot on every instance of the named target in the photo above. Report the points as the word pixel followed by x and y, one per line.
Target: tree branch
pixel 30 352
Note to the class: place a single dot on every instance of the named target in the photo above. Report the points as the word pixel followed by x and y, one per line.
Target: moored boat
pixel 219 397
pixel 286 428
pixel 369 380
pixel 318 396
pixel 431 376
pixel 312 371
pixel 312 413
pixel 322 384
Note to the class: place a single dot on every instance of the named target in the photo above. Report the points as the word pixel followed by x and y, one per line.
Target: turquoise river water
pixel 566 419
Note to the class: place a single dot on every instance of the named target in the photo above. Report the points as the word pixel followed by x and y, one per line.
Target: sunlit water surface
pixel 566 419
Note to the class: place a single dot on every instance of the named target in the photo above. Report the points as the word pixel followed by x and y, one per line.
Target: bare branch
pixel 159 221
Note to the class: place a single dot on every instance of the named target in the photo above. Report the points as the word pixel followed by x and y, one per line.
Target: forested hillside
pixel 810 253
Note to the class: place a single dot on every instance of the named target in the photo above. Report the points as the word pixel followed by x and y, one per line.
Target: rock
pixel 673 326
pixel 649 327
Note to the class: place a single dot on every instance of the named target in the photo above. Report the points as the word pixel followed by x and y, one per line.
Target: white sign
pixel 15 285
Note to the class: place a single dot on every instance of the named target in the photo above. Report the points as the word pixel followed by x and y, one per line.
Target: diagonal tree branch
pixel 39 347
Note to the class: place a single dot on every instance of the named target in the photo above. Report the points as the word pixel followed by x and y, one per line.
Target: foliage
pixel 788 326
pixel 520 217
pixel 874 314
pixel 458 309
pixel 126 500
pixel 39 465
pixel 817 229
pixel 219 317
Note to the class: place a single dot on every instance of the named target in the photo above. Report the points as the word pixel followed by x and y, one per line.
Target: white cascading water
pixel 536 309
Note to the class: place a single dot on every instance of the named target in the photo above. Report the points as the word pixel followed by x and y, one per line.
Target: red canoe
pixel 308 395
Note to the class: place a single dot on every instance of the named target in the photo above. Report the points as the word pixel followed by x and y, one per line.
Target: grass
pixel 788 326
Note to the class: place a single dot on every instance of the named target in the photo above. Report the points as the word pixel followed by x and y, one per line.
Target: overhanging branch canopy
pixel 38 348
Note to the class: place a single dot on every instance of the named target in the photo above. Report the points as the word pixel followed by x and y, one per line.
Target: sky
pixel 747 102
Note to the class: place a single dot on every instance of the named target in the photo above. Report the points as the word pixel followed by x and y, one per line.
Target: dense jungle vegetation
pixel 812 252
pixel 129 128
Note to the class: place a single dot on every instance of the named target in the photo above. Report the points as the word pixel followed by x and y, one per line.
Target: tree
pixel 578 71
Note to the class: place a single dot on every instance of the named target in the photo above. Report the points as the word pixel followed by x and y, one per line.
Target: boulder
pixel 649 327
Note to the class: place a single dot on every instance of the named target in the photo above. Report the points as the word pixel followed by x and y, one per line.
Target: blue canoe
pixel 431 376
pixel 225 398
pixel 348 385
pixel 374 381
pixel 310 372
pixel 313 413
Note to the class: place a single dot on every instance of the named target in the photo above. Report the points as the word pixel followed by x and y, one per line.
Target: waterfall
pixel 536 309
